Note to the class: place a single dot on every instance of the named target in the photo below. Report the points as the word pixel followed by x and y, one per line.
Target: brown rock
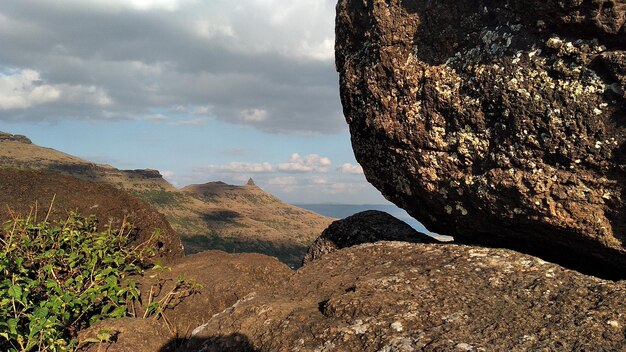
pixel 395 296
pixel 226 280
pixel 127 335
pixel 21 191
pixel 501 123
pixel 364 227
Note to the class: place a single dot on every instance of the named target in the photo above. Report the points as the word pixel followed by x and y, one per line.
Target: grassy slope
pixel 210 216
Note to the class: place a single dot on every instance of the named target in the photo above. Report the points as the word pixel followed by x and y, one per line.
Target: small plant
pixel 58 278
pixel 181 289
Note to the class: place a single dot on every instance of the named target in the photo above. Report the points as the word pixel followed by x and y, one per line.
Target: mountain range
pixel 213 215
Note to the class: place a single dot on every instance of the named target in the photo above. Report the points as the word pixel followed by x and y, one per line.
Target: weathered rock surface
pixel 224 278
pixel 395 296
pixel 495 122
pixel 21 190
pixel 364 227
pixel 127 335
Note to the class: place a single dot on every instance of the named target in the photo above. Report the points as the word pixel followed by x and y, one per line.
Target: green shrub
pixel 58 278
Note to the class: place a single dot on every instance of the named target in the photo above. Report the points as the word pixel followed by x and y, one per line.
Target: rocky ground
pixel 392 296
pixel 224 280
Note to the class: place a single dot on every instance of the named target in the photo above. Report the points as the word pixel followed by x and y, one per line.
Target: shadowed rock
pixel 500 123
pixel 364 227
pixel 21 190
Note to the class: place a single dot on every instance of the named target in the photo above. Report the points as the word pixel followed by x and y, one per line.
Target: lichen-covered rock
pixel 398 296
pixel 497 122
pixel 364 227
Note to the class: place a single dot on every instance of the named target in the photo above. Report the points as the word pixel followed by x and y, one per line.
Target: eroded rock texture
pixel 498 122
pixel 364 227
pixel 394 296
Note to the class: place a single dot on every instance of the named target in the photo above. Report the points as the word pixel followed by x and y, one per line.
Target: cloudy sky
pixel 201 90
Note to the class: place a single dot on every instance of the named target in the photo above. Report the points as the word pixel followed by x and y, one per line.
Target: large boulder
pixel 46 194
pixel 398 296
pixel 496 122
pixel 364 227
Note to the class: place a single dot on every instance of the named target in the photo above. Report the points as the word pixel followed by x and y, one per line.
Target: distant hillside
pixel 243 218
pixel 209 216
pixel 19 152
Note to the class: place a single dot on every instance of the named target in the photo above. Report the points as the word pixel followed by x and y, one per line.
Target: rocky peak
pixel 145 173
pixel 14 138
pixel 250 182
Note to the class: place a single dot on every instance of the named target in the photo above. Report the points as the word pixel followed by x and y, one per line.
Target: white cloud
pixel 348 168
pixel 264 63
pixel 170 177
pixel 139 5
pixel 203 110
pixel 288 180
pixel 24 89
pixel 80 94
pixel 330 185
pixel 190 122
pixel 153 117
pixel 334 187
pixel 167 173
pixel 209 30
pixel 253 115
pixel 310 163
pixel 169 5
pixel 323 50
pixel 286 184
pixel 238 168
pixel 319 180
pixel 179 108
